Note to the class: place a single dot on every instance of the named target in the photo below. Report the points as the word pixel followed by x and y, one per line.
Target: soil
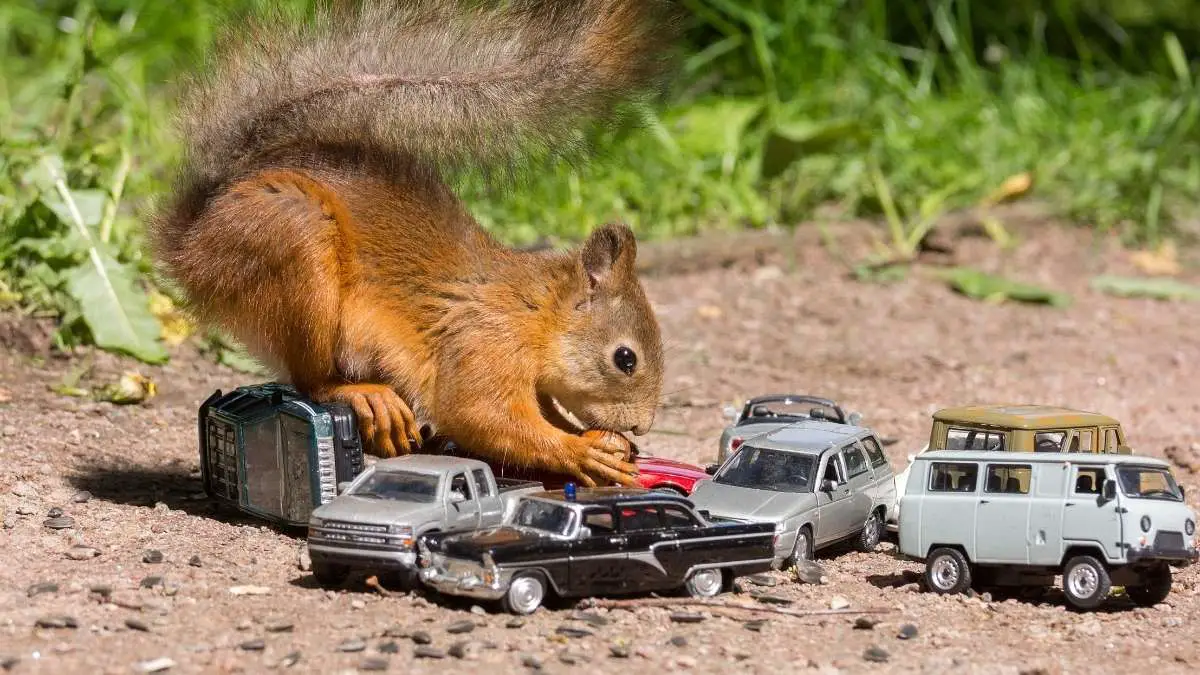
pixel 786 316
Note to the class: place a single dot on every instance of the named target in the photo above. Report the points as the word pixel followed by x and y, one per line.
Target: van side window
pixel 1088 480
pixel 1049 441
pixel 1081 441
pixel 874 451
pixel 856 464
pixel 1011 479
pixel 952 477
pixel 1110 440
pixel 958 438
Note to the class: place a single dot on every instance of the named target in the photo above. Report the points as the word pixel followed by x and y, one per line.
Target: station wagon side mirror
pixel 1109 491
pixel 343 486
pixel 854 419
pixel 457 497
pixel 826 485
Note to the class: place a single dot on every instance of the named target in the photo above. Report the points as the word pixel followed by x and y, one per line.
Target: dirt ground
pixel 766 322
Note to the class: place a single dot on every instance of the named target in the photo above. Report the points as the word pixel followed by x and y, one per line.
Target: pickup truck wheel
pixel 868 539
pixel 1085 582
pixel 525 594
pixel 947 571
pixel 328 574
pixel 705 583
pixel 1155 588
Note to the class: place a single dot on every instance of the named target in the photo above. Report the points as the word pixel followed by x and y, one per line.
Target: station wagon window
pixel 958 438
pixel 481 483
pixel 639 517
pixel 833 470
pixel 459 484
pixel 1011 479
pixel 677 517
pixel 953 477
pixel 856 464
pixel 599 521
pixel 1049 441
pixel 874 451
pixel 1088 480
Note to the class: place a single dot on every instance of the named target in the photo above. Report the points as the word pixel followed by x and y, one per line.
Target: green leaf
pixel 788 143
pixel 89 202
pixel 992 288
pixel 116 309
pixel 1141 287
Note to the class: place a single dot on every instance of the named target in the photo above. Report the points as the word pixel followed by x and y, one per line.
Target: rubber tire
pixel 1103 583
pixel 329 574
pixel 794 557
pixel 692 591
pixel 954 557
pixel 1155 590
pixel 868 538
pixel 506 602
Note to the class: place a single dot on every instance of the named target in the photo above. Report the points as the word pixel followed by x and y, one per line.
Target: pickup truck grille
pixel 354 527
pixel 1169 541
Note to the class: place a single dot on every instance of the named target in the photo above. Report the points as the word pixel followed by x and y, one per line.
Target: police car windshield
pixel 1146 482
pixel 545 516
pixel 766 469
pixel 400 486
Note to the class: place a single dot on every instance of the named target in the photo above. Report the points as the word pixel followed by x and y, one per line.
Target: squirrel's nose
pixel 642 426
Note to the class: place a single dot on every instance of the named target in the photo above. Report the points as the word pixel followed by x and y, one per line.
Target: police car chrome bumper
pixel 466 578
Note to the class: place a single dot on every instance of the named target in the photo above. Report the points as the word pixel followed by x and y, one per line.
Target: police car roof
pixel 610 495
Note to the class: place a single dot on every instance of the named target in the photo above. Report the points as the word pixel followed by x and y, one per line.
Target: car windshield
pixel 1146 482
pixel 767 469
pixel 545 516
pixel 790 407
pixel 400 486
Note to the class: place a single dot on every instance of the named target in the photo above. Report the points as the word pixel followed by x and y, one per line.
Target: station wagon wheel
pixel 525 594
pixel 1155 588
pixel 868 539
pixel 803 548
pixel 1085 582
pixel 947 571
pixel 705 583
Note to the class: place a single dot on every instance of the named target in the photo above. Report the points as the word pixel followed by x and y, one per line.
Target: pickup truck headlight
pixel 401 534
pixel 1145 523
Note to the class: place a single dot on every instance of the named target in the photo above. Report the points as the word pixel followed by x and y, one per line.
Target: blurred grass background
pixel 900 109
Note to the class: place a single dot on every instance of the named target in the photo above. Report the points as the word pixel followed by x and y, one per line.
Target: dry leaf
pixel 249 590
pixel 709 311
pixel 133 387
pixel 1012 187
pixel 1164 261
pixel 175 326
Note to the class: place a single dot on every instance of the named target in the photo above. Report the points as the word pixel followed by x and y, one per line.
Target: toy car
pixel 818 482
pixel 660 473
pixel 1017 520
pixel 767 412
pixel 1019 428
pixel 598 541
pixel 273 454
pixel 374 523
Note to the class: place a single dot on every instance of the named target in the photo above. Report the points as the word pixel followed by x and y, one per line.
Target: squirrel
pixel 312 220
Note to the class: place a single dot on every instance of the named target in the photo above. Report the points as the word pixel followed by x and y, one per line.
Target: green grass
pixel 897 109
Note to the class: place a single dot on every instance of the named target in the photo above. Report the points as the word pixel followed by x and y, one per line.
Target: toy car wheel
pixel 868 539
pixel 803 548
pixel 947 571
pixel 525 594
pixel 1085 582
pixel 705 583
pixel 1155 589
pixel 329 574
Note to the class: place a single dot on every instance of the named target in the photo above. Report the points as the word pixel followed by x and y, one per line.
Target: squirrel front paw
pixel 386 423
pixel 599 459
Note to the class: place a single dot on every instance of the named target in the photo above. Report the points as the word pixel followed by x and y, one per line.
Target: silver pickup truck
pixel 378 516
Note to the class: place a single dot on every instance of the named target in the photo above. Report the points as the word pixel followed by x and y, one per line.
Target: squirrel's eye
pixel 625 360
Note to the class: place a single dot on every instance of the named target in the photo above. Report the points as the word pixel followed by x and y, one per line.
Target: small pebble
pixel 875 654
pixel 155 665
pixel 81 553
pixel 137 624
pixel 44 587
pixel 755 625
pixel 515 622
pixel 458 627
pixel 54 512
pixel 838 602
pixel 864 623
pixel 907 632
pixel 194 561
pixel 22 489
pixel 532 662
pixel 427 652
pixel 771 598
pixel 25 510
pixel 421 637
pixel 289 660
pixel 389 647
pixel 809 572
pixel 477 610
pixel 57 622
pixel 103 590
pixel 620 651
pixel 590 618
pixel 573 632
pixel 459 649
pixel 571 659
pixel 82 497
pixel 395 632
pixel 373 664
pixel 686 617
pixel 280 627
pixel 60 523
pixel 762 580
pixel 352 646
pixel 8 662
pixel 357 604
pixel 679 641
pixel 253 645
pixel 152 556
pixel 151 582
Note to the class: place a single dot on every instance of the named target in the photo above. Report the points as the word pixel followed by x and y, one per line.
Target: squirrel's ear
pixel 608 252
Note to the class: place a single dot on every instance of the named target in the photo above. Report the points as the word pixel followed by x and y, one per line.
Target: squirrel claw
pixel 385 422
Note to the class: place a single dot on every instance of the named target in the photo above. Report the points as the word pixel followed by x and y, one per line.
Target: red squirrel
pixel 314 222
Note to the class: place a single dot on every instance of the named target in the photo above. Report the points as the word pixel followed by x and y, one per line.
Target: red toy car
pixel 660 473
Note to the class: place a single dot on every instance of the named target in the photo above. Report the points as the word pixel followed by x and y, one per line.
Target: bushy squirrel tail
pixel 443 83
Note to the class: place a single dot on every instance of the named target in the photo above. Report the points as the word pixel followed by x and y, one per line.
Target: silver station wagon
pixel 819 482
pixel 1019 519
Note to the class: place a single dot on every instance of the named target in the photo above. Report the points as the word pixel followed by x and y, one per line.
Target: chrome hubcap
pixel 1083 581
pixel 706 583
pixel 944 573
pixel 525 594
pixel 873 529
pixel 800 551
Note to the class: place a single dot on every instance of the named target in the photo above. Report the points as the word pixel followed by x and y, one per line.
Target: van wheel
pixel 868 539
pixel 1085 582
pixel 947 571
pixel 1155 588
pixel 525 594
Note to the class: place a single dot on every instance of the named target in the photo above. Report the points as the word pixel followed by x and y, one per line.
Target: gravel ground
pixel 143 573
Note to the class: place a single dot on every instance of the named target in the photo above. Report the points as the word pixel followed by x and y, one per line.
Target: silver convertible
pixel 819 482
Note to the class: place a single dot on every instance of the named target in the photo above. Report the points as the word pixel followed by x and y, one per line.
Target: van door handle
pixel 1069 504
pixel 985 501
